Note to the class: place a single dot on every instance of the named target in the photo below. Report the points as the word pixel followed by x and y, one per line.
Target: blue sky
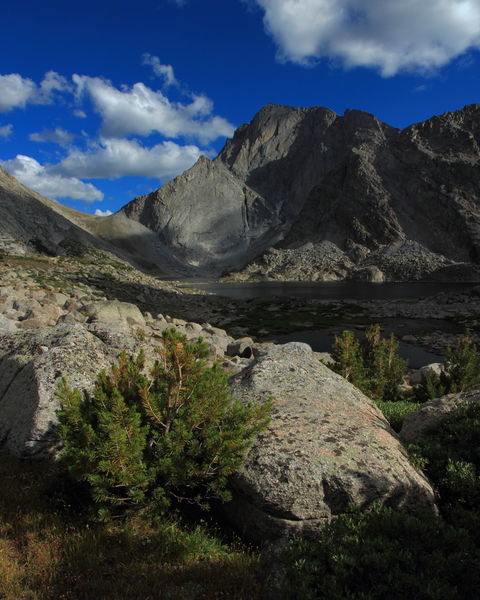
pixel 102 101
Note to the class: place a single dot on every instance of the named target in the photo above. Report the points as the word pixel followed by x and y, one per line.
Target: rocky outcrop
pixel 207 217
pixel 336 196
pixel 31 366
pixel 433 412
pixel 311 262
pixel 328 446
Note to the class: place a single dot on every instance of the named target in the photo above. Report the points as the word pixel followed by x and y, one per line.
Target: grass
pixel 52 552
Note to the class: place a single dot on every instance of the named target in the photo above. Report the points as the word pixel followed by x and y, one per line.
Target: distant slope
pixel 33 222
pixel 30 222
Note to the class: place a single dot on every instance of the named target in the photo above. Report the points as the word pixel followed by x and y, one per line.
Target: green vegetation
pixel 282 317
pixel 49 551
pixel 396 411
pixel 142 446
pixel 461 371
pixel 386 555
pixel 450 454
pixel 141 440
pixel 138 447
pixel 372 364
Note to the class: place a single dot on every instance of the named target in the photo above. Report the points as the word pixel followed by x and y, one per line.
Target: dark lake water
pixel 328 290
pixel 321 341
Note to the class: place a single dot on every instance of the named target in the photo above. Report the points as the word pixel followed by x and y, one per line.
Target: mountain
pixel 31 223
pixel 299 194
pixel 303 193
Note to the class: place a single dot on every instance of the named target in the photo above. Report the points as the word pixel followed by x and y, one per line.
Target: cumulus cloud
pixel 103 213
pixel 119 157
pixel 52 185
pixel 16 91
pixel 80 114
pixel 51 83
pixel 6 130
pixel 163 71
pixel 141 110
pixel 389 35
pixel 55 136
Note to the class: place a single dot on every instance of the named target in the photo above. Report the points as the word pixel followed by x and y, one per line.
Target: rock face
pixel 327 446
pixel 31 366
pixel 336 195
pixel 433 412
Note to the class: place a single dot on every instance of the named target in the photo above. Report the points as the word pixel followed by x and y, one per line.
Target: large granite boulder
pixel 327 447
pixel 114 314
pixel 31 365
pixel 433 412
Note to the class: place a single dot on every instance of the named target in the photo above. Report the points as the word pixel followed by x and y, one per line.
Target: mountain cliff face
pixel 303 193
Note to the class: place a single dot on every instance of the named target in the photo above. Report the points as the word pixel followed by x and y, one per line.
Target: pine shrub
pixel 372 364
pixel 460 373
pixel 144 439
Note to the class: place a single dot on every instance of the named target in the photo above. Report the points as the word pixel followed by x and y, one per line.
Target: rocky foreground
pixel 328 445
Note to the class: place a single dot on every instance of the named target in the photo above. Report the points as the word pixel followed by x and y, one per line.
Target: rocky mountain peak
pixel 296 176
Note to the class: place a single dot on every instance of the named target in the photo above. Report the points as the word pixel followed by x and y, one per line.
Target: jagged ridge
pixel 403 202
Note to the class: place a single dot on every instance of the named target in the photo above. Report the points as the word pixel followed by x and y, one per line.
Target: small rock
pixel 242 347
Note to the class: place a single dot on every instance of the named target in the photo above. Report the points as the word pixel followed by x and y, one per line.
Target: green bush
pixel 384 555
pixel 372 364
pixel 147 439
pixel 461 371
pixel 451 457
pixel 396 411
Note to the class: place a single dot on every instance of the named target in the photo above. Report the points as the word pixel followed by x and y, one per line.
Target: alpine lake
pixel 314 312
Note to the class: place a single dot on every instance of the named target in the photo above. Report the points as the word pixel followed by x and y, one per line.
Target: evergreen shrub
pixel 450 453
pixel 145 439
pixel 372 364
pixel 460 373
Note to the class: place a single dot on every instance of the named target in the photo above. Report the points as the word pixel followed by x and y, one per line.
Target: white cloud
pixel 52 82
pixel 163 71
pixel 103 213
pixel 6 130
pixel 52 185
pixel 80 114
pixel 55 136
pixel 16 91
pixel 141 110
pixel 390 35
pixel 119 157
